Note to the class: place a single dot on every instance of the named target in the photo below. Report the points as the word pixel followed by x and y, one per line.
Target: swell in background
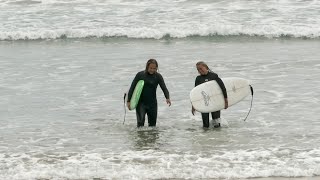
pixel 55 19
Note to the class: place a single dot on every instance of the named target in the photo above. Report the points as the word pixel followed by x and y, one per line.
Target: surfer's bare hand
pixel 128 105
pixel 168 102
pixel 192 110
pixel 226 103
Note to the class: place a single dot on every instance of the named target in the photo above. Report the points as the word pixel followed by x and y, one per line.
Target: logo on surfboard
pixel 234 88
pixel 206 98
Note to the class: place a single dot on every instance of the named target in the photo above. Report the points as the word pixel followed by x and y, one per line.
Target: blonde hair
pixel 151 61
pixel 203 64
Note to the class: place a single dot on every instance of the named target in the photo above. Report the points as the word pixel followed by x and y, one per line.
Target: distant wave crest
pixel 147 33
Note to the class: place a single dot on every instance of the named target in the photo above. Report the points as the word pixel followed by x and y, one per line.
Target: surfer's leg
pixel 152 115
pixel 215 119
pixel 205 119
pixel 141 114
pixel 215 115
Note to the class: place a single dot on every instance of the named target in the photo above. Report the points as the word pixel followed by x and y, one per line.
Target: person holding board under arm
pixel 148 99
pixel 207 75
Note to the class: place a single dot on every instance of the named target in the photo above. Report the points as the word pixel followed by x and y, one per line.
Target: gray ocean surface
pixel 62 111
pixel 65 66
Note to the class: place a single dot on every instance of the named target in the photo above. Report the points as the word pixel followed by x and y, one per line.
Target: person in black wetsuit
pixel 148 100
pixel 207 75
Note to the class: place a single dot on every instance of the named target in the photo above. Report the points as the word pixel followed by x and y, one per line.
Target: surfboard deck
pixel 136 94
pixel 208 96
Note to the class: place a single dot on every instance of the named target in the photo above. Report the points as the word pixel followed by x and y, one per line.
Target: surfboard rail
pixel 136 94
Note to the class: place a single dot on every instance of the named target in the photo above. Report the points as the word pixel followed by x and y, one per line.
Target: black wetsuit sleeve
pixel 223 88
pixel 163 87
pixel 197 81
pixel 133 85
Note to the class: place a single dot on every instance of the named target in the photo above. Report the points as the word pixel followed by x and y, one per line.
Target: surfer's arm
pixel 133 84
pixel 224 91
pixel 223 88
pixel 197 81
pixel 164 89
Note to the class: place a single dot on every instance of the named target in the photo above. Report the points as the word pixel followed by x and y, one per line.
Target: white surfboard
pixel 208 97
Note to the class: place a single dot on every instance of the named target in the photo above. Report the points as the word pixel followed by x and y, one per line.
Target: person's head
pixel 151 66
pixel 202 68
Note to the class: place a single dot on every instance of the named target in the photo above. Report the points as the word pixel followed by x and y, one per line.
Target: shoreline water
pixel 65 65
pixel 62 110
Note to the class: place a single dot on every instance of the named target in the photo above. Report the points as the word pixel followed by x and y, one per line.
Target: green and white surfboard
pixel 136 94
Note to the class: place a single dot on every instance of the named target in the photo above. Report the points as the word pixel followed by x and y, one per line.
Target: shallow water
pixel 62 111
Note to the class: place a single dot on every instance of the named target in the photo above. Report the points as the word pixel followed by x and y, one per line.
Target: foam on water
pixel 150 164
pixel 52 19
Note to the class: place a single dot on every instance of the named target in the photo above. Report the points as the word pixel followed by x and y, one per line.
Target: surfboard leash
pixel 250 103
pixel 124 105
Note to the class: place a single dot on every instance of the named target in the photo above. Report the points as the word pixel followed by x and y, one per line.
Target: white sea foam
pixel 159 33
pixel 52 19
pixel 156 165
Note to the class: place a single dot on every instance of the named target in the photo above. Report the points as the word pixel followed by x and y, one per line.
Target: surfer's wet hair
pixel 203 64
pixel 151 61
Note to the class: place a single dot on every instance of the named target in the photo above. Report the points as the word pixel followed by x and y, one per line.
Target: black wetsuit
pixel 205 78
pixel 148 99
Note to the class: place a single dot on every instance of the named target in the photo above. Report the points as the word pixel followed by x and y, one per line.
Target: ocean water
pixel 65 66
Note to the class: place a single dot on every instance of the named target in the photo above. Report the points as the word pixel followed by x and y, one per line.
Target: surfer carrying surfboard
pixel 207 75
pixel 147 103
